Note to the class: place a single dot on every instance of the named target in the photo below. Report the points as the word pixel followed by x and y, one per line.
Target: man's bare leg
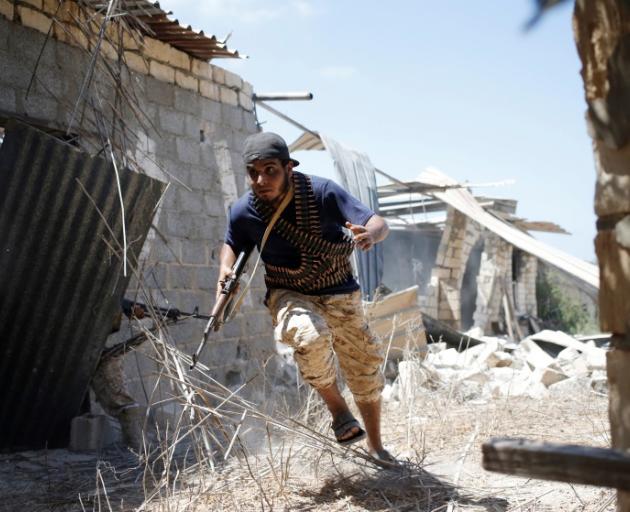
pixel 337 406
pixel 371 413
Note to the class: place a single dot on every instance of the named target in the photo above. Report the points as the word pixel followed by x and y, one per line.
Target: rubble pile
pixel 543 363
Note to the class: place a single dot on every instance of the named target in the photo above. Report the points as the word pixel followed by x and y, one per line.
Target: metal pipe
pixel 283 96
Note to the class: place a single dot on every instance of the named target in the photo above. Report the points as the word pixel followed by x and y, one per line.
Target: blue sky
pixel 453 84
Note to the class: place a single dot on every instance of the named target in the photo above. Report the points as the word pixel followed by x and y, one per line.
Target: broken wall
pixel 199 115
pixel 444 293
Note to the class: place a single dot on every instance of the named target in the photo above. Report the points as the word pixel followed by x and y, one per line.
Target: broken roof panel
pixel 62 280
pixel 154 22
pixel 463 201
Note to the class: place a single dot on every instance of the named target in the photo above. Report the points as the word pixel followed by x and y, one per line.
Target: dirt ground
pixel 288 466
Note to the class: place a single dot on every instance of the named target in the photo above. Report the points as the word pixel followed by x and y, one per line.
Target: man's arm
pixel 227 258
pixel 374 231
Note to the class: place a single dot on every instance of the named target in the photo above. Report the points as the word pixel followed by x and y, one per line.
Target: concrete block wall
pixel 525 285
pixel 495 275
pixel 199 116
pixel 444 292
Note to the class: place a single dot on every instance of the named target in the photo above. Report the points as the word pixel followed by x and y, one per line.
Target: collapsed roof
pixel 443 190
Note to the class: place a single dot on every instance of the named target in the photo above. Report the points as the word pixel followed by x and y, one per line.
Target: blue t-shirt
pixel 335 207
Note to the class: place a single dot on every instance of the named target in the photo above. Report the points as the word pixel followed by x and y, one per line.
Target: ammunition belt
pixel 323 264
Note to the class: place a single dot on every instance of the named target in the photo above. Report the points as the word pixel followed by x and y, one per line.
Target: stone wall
pixel 493 281
pixel 525 284
pixel 197 116
pixel 444 293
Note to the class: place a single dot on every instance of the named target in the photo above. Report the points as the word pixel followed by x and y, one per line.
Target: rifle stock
pixel 218 311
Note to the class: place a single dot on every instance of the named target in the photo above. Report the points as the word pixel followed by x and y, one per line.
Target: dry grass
pixel 225 453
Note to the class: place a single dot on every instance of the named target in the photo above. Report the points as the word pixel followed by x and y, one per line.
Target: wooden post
pixel 558 462
pixel 602 35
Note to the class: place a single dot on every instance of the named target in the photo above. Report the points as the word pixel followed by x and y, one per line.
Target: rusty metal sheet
pixel 61 278
pixel 155 23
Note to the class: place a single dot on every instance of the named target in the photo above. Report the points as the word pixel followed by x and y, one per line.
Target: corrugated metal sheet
pixel 357 175
pixel 154 22
pixel 60 284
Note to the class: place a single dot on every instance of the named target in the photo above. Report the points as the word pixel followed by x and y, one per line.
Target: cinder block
pixel 181 277
pixel 166 53
pixel 190 202
pixel 34 19
pixel 206 278
pixel 228 96
pixel 250 124
pixel 109 51
pixel 166 252
pixel 7 9
pixel 233 329
pixel 188 151
pixel 194 252
pixel 232 80
pixel 132 40
pixel 187 101
pixel 160 92
pixel 247 89
pixel 221 352
pixel 201 69
pixel 155 49
pixel 209 90
pixel 215 206
pixel 202 178
pixel 192 127
pixel 245 101
pixel 186 81
pixel 218 75
pixel 171 121
pixel 162 72
pixel 232 116
pixel 137 62
pixel 71 34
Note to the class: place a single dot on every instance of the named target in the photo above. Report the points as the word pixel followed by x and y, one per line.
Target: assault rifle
pixel 218 314
pixel 170 313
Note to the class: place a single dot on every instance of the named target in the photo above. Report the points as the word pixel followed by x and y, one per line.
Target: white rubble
pixel 497 368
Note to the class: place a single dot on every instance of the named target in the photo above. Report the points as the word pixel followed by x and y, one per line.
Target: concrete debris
pixel 498 369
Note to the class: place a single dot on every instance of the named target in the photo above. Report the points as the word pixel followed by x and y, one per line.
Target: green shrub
pixel 559 310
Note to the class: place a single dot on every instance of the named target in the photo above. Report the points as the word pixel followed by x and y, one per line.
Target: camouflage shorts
pixel 318 327
pixel 108 384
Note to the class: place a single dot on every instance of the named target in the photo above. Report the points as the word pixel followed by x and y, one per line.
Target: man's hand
pixel 363 239
pixel 225 273
pixel 137 312
pixel 374 231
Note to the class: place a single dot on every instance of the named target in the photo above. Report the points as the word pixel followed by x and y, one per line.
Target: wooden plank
pixel 392 303
pixel 382 326
pixel 602 467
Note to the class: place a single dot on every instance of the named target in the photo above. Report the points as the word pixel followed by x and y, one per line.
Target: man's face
pixel 269 179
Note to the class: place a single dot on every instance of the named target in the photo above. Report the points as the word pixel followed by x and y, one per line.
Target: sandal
pixel 343 424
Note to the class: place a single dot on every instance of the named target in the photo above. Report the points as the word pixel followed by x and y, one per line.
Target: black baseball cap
pixel 265 145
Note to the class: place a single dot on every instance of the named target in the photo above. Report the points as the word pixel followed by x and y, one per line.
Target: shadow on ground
pixel 406 488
